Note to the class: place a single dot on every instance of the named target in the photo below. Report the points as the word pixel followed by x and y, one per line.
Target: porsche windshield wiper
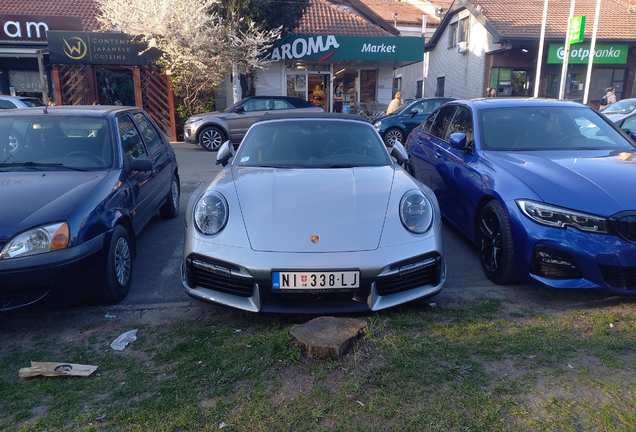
pixel 39 165
pixel 341 166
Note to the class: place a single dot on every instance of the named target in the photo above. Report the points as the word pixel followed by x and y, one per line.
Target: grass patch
pixel 474 367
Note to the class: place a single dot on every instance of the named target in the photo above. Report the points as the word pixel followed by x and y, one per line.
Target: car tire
pixel 170 209
pixel 211 138
pixel 494 244
pixel 392 135
pixel 119 267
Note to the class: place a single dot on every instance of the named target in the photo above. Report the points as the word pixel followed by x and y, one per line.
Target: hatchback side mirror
pixel 141 164
pixel 225 152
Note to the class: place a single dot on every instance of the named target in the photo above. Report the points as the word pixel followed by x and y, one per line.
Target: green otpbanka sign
pixel 579 54
pixel 577 29
pixel 328 48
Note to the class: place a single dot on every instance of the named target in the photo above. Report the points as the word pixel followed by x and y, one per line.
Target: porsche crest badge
pixel 315 238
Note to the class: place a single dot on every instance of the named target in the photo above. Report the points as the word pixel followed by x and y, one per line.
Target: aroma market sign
pixel 579 54
pixel 331 47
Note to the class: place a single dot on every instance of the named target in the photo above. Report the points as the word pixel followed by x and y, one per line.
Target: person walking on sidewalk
pixel 395 103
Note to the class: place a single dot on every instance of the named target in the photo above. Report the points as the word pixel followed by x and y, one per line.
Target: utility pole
pixel 537 79
pixel 566 55
pixel 588 77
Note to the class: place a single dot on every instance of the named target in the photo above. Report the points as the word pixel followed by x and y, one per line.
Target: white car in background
pixel 10 102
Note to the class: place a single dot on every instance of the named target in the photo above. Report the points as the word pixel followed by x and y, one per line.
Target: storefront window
pixel 575 84
pixel 297 85
pixel 368 80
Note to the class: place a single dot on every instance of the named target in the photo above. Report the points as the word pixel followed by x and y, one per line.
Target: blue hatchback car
pixel 395 127
pixel 77 184
pixel 544 188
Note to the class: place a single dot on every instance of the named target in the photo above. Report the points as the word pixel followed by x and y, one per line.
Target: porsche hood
pixel 314 210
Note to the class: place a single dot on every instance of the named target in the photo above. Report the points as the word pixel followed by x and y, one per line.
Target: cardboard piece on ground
pixel 56 369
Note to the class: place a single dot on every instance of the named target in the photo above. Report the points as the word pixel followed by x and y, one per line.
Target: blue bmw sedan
pixel 77 184
pixel 544 188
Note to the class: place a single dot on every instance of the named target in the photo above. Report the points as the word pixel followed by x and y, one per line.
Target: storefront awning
pixel 22 52
pixel 353 48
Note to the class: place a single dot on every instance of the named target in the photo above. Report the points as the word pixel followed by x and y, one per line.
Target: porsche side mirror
pixel 225 152
pixel 399 153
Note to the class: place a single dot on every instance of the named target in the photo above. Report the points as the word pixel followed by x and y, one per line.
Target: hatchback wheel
pixel 494 242
pixel 118 275
pixel 392 136
pixel 211 138
pixel 170 209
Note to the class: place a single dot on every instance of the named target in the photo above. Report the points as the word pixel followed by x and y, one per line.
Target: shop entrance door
pixel 313 87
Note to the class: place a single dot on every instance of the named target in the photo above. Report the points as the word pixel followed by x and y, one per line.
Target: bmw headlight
pixel 377 125
pixel 559 217
pixel 211 213
pixel 416 212
pixel 38 240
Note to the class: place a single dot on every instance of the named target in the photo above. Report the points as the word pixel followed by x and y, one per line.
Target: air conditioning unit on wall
pixel 462 47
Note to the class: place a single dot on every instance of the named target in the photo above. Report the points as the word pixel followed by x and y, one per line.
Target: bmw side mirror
pixel 399 153
pixel 458 140
pixel 239 109
pixel 225 152
pixel 141 164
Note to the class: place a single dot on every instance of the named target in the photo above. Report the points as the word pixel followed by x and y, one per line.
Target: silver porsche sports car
pixel 312 215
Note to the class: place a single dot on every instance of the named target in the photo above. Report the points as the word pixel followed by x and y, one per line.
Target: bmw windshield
pixel 548 128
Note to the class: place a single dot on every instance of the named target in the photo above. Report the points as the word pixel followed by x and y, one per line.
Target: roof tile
pixel 324 18
pixel 522 18
pixel 87 10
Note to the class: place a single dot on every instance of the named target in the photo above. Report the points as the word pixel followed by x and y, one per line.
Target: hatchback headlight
pixel 559 217
pixel 416 212
pixel 38 240
pixel 192 120
pixel 211 213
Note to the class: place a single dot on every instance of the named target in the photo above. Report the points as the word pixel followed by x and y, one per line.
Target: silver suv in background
pixel 214 128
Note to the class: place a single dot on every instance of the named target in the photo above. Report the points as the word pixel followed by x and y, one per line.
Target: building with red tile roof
pixel 86 10
pixel 495 43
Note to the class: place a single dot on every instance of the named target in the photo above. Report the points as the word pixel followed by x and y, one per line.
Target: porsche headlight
pixel 211 213
pixel 416 212
pixel 377 125
pixel 559 217
pixel 38 240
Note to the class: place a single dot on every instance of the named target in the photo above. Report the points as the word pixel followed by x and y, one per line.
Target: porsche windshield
pixel 312 143
pixel 55 142
pixel 548 128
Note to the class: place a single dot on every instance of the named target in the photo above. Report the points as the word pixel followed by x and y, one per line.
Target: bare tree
pixel 198 46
